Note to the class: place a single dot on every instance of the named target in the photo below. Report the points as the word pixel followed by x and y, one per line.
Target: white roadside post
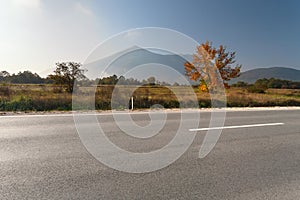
pixel 131 103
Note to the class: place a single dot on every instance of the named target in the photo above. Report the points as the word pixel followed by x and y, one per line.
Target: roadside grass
pixel 237 97
pixel 31 97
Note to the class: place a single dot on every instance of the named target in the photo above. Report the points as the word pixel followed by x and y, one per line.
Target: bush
pixel 4 91
pixel 255 89
pixel 21 104
pixel 204 104
pixel 240 84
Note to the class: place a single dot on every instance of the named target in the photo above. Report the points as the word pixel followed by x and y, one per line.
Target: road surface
pixel 42 157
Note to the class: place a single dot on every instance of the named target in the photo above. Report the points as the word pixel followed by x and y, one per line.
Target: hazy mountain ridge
pixel 124 61
pixel 283 73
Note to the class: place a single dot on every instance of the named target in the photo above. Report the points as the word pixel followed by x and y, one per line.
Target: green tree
pixel 4 75
pixel 208 58
pixel 110 80
pixel 240 84
pixel 151 80
pixel 25 78
pixel 66 73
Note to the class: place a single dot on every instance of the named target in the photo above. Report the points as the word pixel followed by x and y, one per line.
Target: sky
pixel 35 34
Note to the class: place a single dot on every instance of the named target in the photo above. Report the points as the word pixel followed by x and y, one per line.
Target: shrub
pixel 255 89
pixel 4 91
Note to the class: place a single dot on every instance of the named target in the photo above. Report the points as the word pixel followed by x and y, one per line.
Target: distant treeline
pixel 27 77
pixel 121 80
pixel 263 84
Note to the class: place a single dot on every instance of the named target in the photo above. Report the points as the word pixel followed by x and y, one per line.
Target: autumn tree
pixel 66 73
pixel 206 61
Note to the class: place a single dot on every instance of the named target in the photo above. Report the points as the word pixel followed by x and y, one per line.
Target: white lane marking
pixel 233 127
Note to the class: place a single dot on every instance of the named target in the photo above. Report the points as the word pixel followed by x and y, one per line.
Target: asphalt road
pixel 42 157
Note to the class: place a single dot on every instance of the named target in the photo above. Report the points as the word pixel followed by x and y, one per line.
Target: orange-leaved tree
pixel 211 64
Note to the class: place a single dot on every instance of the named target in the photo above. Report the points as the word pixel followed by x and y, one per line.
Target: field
pixel 48 97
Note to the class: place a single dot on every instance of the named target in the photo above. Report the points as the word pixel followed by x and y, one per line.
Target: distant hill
pixel 122 62
pixel 125 61
pixel 274 72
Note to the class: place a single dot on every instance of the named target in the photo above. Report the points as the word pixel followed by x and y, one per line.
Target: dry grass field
pixel 49 97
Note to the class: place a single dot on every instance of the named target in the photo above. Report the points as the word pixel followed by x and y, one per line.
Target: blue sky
pixel 35 34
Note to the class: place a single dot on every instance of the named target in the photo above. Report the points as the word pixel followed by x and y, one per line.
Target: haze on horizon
pixel 38 33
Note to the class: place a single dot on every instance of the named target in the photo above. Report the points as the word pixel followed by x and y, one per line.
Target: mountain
pixel 139 63
pixel 274 72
